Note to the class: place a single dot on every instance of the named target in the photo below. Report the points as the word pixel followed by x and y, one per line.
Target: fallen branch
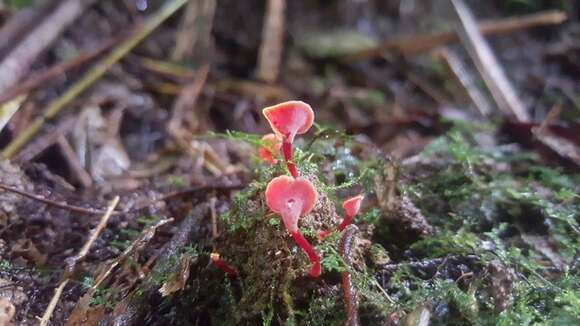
pixel 91 77
pixel 50 202
pixel 71 264
pixel 415 44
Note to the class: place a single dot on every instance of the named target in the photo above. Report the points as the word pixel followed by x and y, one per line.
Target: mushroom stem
pixel 287 152
pixel 315 269
pixel 220 264
pixel 345 222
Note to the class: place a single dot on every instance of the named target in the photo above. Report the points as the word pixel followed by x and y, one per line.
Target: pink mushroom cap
pixel 351 205
pixel 270 149
pixel 291 198
pixel 290 118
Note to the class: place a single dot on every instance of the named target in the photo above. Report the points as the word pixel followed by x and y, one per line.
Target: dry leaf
pixel 177 281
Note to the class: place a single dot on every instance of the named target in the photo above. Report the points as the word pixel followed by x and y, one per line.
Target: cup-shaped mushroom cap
pixel 291 198
pixel 270 148
pixel 352 205
pixel 290 118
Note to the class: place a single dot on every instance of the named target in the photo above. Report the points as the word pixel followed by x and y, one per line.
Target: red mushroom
pixel 292 199
pixel 215 258
pixel 351 207
pixel 287 120
pixel 270 149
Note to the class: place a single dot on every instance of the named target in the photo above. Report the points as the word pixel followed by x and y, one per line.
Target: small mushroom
pixel 351 207
pixel 287 120
pixel 292 199
pixel 270 149
pixel 220 264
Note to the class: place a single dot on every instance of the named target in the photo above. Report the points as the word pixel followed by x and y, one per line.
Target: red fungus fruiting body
pixel 287 120
pixel 292 199
pixel 270 149
pixel 351 207
pixel 219 263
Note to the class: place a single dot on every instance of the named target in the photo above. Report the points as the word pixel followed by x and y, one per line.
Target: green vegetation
pixel 503 250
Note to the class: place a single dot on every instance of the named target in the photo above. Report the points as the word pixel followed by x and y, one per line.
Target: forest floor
pixel 130 132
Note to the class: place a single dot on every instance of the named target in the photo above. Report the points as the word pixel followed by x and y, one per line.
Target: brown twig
pixel 416 44
pixel 488 66
pixel 55 71
pixel 348 289
pixel 53 203
pixel 71 264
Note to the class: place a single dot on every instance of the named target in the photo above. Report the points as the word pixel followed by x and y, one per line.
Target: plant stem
pixel 315 269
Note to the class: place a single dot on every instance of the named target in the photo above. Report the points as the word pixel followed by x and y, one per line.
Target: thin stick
pixel 73 161
pixel 71 265
pixel 467 82
pixel 140 242
pixel 91 77
pixel 488 66
pixel 53 203
pixel 19 60
pixel 85 249
pixel 53 302
pixel 415 44
pixel 57 70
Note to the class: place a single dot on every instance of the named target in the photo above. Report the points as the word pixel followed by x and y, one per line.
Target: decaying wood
pixel 18 62
pixel 415 44
pixel 272 41
pixel 488 66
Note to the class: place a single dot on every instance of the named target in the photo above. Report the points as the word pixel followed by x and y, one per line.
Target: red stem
pixel 315 270
pixel 220 264
pixel 345 222
pixel 287 152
